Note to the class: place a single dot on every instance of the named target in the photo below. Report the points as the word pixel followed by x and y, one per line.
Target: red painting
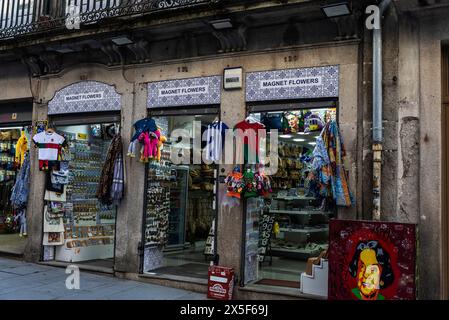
pixel 371 260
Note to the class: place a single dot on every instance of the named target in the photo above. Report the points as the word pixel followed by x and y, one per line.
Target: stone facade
pixel 412 158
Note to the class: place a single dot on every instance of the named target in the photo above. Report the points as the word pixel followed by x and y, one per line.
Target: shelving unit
pixel 294 241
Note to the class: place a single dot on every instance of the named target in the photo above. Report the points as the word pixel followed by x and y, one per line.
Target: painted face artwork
pixel 369 272
pixel 371 267
pixel 371 260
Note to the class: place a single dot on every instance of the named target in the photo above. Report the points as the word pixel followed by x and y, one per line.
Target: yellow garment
pixel 21 148
pixel 276 228
pixel 160 144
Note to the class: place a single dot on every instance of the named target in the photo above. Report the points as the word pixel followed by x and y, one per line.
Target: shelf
pixel 302 212
pixel 294 253
pixel 311 230
pixel 93 237
pixel 296 198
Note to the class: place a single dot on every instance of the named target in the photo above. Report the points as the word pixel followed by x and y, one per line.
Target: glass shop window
pixel 89 225
pixel 291 226
pixel 180 207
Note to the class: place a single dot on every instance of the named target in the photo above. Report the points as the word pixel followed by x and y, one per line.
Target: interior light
pixel 121 40
pixel 302 133
pixel 299 140
pixel 312 143
pixel 221 24
pixel 336 10
pixel 285 136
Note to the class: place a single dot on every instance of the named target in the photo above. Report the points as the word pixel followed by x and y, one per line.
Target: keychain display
pixel 158 203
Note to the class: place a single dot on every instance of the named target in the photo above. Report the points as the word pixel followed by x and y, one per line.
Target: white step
pixel 317 283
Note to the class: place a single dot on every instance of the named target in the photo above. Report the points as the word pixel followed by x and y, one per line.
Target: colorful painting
pixel 371 260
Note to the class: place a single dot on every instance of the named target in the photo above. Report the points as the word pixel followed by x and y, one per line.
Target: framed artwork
pixel 371 260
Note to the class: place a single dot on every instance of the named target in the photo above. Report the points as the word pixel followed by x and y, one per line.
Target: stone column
pixel 229 225
pixel 130 211
pixel 34 213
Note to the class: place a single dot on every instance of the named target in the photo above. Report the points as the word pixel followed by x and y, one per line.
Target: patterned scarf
pixel 104 188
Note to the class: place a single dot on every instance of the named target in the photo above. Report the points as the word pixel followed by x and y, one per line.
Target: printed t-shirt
pixel 49 145
pixel 249 149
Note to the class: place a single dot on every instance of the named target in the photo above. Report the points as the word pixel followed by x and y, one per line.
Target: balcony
pixel 25 17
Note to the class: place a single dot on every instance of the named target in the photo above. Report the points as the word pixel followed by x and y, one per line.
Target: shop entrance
pixel 15 131
pixel 285 230
pixel 89 226
pixel 180 204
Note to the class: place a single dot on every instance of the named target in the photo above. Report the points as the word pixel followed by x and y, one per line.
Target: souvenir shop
pixel 15 131
pixel 180 206
pixel 80 153
pixel 288 223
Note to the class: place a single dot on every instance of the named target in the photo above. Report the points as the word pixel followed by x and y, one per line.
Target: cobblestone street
pixel 21 280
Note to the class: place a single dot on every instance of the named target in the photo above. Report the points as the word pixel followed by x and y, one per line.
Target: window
pixel 285 230
pixel 15 12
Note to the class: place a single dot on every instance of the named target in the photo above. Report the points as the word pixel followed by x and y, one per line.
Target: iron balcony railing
pixel 20 17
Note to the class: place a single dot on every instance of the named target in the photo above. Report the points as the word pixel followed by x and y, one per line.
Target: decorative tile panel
pixel 185 92
pixel 305 83
pixel 85 96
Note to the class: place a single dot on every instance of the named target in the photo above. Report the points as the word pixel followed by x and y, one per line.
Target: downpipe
pixel 377 114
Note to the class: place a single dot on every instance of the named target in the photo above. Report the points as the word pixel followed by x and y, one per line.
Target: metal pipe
pixel 377 113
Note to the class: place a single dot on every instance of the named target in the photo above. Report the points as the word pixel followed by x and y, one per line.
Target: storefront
pixel 15 130
pixel 180 206
pixel 287 227
pixel 79 223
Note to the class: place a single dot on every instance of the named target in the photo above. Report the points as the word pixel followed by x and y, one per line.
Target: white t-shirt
pixel 48 144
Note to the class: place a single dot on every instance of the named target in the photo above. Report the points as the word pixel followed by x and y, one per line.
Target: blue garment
pixel 143 125
pixel 21 189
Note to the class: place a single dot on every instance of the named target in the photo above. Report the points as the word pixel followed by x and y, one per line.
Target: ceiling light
pixel 336 10
pixel 285 136
pixel 221 24
pixel 299 140
pixel 121 40
pixel 312 143
pixel 302 133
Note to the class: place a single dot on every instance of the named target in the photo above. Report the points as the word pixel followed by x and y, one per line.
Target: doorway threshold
pixel 84 267
pixel 172 277
pixel 11 253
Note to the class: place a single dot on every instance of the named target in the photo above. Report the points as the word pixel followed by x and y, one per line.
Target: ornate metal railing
pixel 20 17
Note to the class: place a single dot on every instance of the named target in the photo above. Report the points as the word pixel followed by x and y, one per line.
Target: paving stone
pixel 20 280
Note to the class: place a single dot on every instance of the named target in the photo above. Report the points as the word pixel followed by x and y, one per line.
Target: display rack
pixel 89 226
pixel 303 231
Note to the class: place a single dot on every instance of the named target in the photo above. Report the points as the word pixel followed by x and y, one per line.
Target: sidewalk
pixel 27 281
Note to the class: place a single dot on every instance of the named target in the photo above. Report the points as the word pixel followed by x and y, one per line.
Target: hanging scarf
pixel 104 188
pixel 329 157
pixel 118 180
pixel 21 189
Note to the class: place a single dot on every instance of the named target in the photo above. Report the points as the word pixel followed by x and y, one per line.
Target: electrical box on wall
pixel 233 78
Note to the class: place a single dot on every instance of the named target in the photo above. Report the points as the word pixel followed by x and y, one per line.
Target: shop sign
pixel 184 92
pixel 266 230
pixel 220 285
pixel 371 260
pixel 233 78
pixel 85 96
pixel 305 83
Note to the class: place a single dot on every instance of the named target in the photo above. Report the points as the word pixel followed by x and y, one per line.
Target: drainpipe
pixel 377 112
